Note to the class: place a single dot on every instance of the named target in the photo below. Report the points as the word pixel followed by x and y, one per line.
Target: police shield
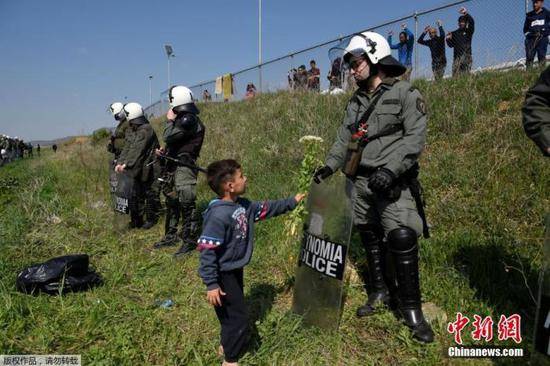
pixel 322 260
pixel 122 199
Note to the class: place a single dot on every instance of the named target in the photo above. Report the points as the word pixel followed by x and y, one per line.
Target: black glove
pixel 322 174
pixel 382 180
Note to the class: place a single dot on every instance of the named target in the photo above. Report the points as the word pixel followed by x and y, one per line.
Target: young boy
pixel 226 245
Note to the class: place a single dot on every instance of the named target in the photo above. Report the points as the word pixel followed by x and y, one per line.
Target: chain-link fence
pixel 498 42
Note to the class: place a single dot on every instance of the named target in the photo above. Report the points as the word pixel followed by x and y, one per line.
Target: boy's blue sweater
pixel 404 50
pixel 227 238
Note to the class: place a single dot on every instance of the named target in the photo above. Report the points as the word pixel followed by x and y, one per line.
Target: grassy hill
pixel 486 186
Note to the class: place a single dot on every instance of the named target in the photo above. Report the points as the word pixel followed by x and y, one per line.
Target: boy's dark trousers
pixel 233 315
pixel 538 46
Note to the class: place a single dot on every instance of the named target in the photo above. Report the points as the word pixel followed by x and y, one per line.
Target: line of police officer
pixel 171 169
pixel 12 148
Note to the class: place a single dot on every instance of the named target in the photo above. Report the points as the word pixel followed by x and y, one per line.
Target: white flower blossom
pixel 309 138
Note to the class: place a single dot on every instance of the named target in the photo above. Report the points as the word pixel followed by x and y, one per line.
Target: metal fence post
pixel 415 52
pixel 291 67
pixel 260 72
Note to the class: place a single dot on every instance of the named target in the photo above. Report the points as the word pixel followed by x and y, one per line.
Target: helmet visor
pixel 351 48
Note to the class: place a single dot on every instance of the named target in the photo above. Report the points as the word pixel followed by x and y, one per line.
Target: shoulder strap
pixel 388 131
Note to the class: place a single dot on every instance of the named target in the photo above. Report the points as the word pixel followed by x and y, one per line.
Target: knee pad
pixel 403 239
pixel 186 196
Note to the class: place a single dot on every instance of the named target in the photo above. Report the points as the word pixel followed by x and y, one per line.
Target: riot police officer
pixel 116 144
pixel 183 135
pixel 377 147
pixel 136 159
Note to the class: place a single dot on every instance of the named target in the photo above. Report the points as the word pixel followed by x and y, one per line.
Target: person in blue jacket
pixel 226 246
pixel 536 29
pixel 404 49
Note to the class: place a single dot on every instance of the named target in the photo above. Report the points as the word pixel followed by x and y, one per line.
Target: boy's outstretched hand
pixel 213 296
pixel 299 197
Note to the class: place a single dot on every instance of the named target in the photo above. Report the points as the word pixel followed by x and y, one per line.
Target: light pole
pixel 260 42
pixel 150 90
pixel 169 53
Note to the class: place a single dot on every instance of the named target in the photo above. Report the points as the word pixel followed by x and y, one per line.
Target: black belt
pixel 364 171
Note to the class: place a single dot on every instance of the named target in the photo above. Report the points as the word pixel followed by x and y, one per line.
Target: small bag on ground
pixel 69 273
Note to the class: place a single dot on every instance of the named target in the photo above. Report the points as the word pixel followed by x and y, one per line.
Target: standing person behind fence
pixel 461 41
pixel 301 78
pixel 250 91
pixel 139 151
pixel 404 49
pixel 3 150
pixel 183 134
pixel 536 29
pixel 335 74
pixel 436 44
pixel 291 78
pixel 313 77
pixel 378 146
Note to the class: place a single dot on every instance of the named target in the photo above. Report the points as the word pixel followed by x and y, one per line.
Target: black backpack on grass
pixel 69 273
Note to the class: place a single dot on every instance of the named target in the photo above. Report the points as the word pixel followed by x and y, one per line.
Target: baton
pixel 179 162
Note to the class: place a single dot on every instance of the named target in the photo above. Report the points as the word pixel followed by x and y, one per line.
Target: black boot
pixel 152 208
pixel 188 233
pixel 135 222
pixel 170 239
pixel 186 248
pixel 151 214
pixel 149 224
pixel 378 291
pixel 403 246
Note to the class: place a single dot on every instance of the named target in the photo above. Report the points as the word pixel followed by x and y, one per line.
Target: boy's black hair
pixel 220 172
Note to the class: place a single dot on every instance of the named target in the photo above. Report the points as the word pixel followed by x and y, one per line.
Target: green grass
pixel 486 187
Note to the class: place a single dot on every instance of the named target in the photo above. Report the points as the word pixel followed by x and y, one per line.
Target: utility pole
pixel 150 90
pixel 260 42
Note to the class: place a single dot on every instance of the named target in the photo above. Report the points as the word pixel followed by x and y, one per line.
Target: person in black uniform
pixel 461 41
pixel 436 44
pixel 536 32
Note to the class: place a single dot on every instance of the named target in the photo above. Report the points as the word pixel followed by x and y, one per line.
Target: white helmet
pixel 133 110
pixel 117 110
pixel 181 100
pixel 371 44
